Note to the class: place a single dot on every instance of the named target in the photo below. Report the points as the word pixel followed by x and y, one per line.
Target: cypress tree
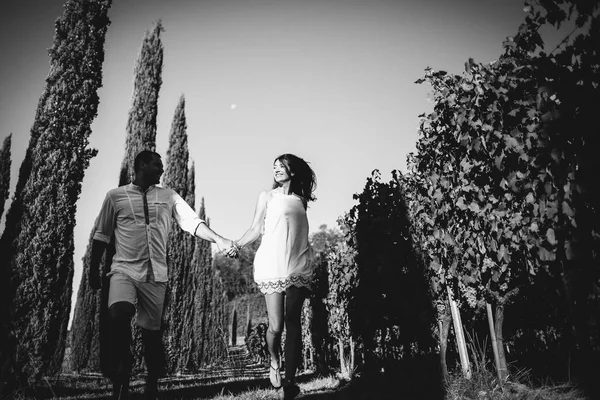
pixel 182 361
pixel 176 170
pixel 180 246
pixel 38 239
pixel 89 333
pixel 85 328
pixel 141 124
pixel 4 172
pixel 191 190
pixel 201 266
pixel 6 338
pixel 217 320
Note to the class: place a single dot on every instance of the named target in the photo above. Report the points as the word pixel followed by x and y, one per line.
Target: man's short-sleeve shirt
pixel 140 223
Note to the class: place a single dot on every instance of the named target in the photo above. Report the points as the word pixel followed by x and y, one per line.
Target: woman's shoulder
pixel 266 195
pixel 267 192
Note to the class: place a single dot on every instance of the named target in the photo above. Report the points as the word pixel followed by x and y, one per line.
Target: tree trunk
pixel 502 370
pixel 460 337
pixel 234 326
pixel 490 316
pixel 248 320
pixel 305 358
pixel 351 366
pixel 319 332
pixel 343 367
pixel 570 330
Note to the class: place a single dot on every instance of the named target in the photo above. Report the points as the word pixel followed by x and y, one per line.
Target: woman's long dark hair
pixel 303 180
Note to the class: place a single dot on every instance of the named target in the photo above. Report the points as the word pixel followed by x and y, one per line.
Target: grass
pixel 188 387
pixel 413 379
pixel 312 387
pixel 324 388
pixel 485 385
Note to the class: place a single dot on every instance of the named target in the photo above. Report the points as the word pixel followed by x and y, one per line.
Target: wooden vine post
pixel 490 316
pixel 460 336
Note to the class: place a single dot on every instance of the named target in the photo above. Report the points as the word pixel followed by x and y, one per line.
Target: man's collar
pixel 139 188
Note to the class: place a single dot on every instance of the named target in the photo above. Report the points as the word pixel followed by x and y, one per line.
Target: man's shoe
pixel 290 391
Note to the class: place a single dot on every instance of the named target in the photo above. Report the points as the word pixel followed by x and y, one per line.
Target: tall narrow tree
pixel 216 336
pixel 202 272
pixel 141 124
pixel 88 330
pixel 182 362
pixel 5 335
pixel 180 246
pixel 191 190
pixel 4 172
pixel 38 240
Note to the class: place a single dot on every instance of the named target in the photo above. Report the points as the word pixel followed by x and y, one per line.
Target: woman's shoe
pixel 275 377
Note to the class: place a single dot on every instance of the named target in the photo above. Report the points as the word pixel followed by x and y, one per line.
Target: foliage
pixel 343 281
pixel 499 189
pixel 216 327
pixel 325 239
pixel 141 122
pixel 251 308
pixel 256 342
pixel 180 248
pixel 85 328
pixel 38 239
pixel 390 309
pixel 315 335
pixel 4 172
pixel 205 321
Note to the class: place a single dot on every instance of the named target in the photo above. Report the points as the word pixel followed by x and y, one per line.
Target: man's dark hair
pixel 143 157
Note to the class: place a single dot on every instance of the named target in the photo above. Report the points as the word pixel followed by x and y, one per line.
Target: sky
pixel 331 81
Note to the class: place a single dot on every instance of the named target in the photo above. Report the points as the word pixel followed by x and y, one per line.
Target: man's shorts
pixel 149 297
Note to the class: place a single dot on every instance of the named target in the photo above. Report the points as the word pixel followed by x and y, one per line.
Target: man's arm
pixel 204 232
pixel 98 248
pixel 103 231
pixel 190 222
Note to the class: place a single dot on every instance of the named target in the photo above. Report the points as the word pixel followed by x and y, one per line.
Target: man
pixel 139 217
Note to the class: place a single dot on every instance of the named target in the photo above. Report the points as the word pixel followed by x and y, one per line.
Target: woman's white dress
pixel 283 257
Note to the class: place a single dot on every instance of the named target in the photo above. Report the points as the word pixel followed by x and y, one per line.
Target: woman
pixel 281 266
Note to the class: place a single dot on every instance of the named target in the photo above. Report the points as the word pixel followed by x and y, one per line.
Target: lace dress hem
pixel 280 285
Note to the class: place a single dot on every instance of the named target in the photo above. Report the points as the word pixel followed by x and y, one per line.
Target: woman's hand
pixel 228 247
pixel 234 250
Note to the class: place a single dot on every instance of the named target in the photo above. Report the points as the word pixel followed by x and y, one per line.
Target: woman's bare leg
pixel 275 313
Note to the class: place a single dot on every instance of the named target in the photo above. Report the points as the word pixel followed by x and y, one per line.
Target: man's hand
pixel 94 280
pixel 234 251
pixel 98 248
pixel 227 247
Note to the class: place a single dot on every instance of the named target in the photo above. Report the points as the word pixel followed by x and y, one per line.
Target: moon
pixel 233 106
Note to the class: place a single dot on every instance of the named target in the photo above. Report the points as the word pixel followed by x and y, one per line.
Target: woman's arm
pixel 257 223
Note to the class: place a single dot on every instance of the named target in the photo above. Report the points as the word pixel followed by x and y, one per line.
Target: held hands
pixel 228 248
pixel 234 250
